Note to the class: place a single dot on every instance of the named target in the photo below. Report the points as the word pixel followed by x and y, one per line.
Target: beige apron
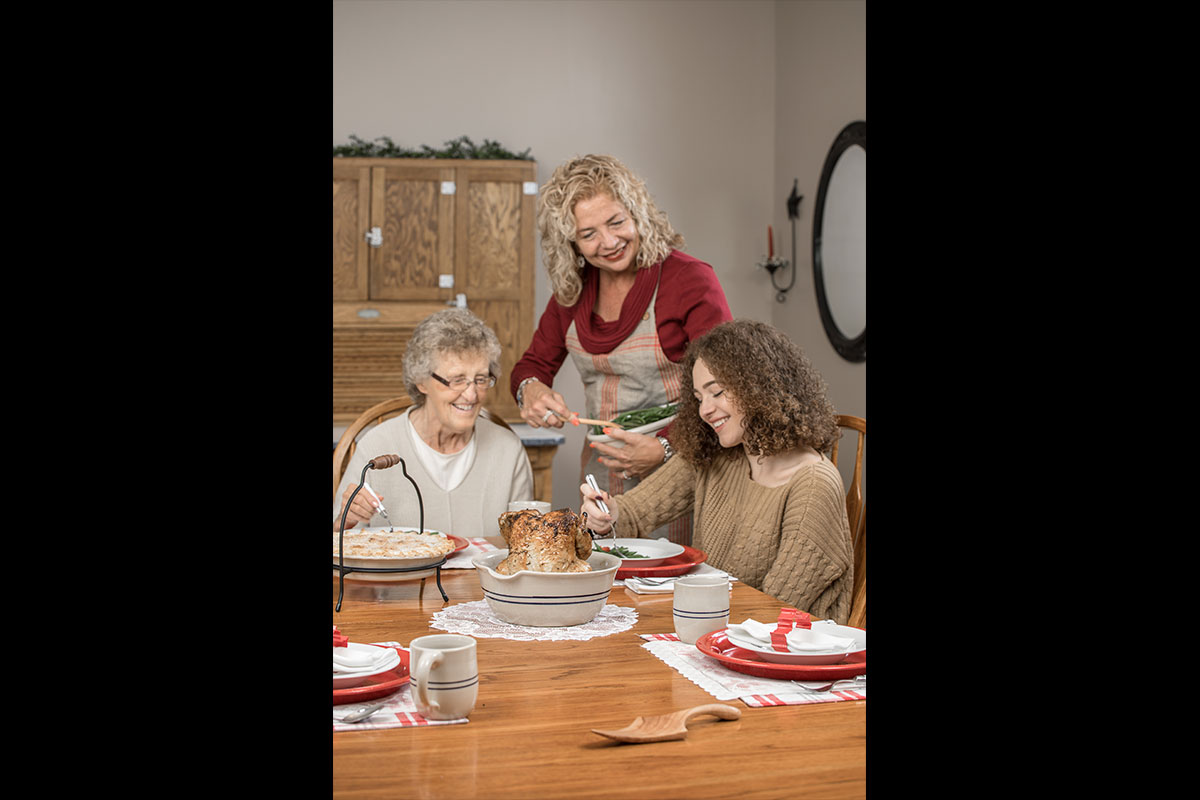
pixel 636 374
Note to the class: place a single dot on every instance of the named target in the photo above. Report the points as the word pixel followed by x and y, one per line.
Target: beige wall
pixel 692 94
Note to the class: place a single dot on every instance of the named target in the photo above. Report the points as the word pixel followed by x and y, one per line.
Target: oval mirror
pixel 840 243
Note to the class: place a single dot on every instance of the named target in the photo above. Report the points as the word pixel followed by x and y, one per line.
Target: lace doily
pixel 476 619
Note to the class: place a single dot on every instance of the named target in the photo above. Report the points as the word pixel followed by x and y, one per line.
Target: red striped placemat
pixel 727 684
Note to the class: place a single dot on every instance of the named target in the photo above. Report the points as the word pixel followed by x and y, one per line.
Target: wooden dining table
pixel 530 733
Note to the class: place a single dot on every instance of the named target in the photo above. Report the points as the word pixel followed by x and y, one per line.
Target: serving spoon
pixel 666 727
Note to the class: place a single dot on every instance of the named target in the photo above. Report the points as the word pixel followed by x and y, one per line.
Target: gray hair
pixel 453 332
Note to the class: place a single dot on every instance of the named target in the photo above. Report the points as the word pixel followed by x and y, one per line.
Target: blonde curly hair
pixel 770 381
pixel 582 178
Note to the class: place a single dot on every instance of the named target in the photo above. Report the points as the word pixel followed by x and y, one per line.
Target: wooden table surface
pixel 530 733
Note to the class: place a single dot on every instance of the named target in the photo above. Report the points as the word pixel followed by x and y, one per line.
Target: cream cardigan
pixel 500 474
pixel 791 542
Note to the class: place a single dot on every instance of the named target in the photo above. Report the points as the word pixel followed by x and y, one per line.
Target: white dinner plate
pixel 767 653
pixel 656 551
pixel 386 659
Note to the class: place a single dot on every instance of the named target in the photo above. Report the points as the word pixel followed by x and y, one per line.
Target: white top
pixel 446 469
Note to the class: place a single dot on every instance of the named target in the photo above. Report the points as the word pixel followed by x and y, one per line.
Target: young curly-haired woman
pixel 767 506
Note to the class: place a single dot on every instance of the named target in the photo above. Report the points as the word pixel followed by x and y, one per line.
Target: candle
pixel 770 243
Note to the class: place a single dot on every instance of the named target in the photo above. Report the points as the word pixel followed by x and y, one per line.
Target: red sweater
pixel 690 301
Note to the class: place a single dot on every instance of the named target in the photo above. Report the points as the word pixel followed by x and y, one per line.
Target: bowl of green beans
pixel 642 420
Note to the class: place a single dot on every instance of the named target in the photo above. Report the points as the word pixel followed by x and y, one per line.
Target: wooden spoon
pixel 667 726
pixel 576 420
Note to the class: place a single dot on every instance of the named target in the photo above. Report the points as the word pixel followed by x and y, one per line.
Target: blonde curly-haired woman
pixel 626 304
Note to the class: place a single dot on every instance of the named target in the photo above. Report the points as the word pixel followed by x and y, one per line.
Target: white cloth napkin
pixel 799 640
pixel 363 659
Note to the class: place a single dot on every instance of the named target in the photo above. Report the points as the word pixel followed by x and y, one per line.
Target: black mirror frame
pixel 850 349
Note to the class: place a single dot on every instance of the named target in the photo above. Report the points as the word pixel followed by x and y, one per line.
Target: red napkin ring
pixel 338 639
pixel 789 618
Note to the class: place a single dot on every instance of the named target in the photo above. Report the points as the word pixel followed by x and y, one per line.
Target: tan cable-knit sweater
pixel 791 542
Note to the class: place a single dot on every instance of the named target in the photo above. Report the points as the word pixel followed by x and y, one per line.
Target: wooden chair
pixel 856 512
pixel 374 415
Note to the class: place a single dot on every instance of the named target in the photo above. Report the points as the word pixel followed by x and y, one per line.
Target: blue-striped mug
pixel 701 606
pixel 445 676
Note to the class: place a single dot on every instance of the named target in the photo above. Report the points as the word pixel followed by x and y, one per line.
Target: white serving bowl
pixel 604 438
pixel 546 599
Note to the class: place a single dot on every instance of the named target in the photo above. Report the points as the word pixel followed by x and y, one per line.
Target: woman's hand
pixel 361 510
pixel 541 405
pixel 640 456
pixel 597 520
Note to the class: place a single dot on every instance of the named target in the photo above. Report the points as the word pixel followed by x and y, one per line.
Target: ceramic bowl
pixel 648 428
pixel 546 599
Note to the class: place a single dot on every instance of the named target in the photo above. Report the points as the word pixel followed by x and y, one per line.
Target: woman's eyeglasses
pixel 460 383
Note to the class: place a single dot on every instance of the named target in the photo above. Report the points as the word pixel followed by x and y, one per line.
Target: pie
pixel 395 544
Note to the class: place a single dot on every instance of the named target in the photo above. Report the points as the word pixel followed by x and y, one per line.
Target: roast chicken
pixel 554 542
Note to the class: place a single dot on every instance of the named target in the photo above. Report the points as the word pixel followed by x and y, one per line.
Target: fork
pixel 361 714
pixel 857 681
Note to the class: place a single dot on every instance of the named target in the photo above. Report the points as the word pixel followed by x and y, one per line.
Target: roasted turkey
pixel 555 542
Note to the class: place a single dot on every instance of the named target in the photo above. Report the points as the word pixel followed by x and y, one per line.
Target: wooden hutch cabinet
pixel 412 236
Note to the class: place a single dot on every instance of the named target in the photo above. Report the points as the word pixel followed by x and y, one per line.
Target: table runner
pixel 727 684
pixel 476 619
pixel 400 711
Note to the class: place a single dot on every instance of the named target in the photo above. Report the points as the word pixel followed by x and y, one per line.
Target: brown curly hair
pixel 769 380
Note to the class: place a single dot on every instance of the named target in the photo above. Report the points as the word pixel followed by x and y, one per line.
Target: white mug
pixel 445 677
pixel 701 606
pixel 521 505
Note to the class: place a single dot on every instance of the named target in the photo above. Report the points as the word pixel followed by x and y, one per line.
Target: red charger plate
pixel 677 565
pixel 717 645
pixel 379 685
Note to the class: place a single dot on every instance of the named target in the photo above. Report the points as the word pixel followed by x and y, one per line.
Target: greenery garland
pixel 462 147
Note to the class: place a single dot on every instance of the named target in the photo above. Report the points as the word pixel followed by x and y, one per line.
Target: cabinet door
pixel 494 260
pixel 351 220
pixel 414 208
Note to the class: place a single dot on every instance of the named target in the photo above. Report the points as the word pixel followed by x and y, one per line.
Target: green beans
pixel 641 416
pixel 623 552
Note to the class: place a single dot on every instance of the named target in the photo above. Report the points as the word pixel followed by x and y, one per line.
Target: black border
pixel 850 349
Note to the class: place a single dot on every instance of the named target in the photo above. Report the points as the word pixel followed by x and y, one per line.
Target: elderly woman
pixel 626 303
pixel 767 505
pixel 468 468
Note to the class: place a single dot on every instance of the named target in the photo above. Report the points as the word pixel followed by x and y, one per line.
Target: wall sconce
pixel 772 263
